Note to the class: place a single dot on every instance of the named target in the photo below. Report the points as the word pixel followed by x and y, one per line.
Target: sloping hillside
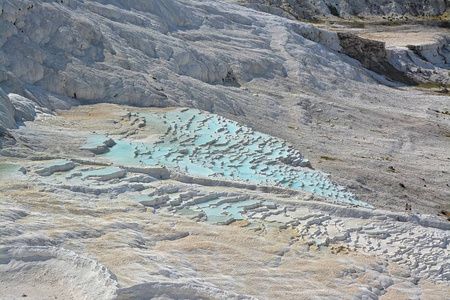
pixel 223 150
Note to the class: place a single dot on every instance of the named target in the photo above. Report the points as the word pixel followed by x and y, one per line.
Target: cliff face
pixel 372 55
pixel 347 8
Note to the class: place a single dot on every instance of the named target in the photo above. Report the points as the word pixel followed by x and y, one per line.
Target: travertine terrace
pixel 176 149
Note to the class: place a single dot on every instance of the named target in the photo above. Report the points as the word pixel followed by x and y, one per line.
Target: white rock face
pixel 427 63
pixel 7 112
pixel 25 108
pixel 173 53
pixel 14 108
pixel 420 52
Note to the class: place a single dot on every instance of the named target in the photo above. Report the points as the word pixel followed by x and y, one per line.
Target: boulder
pixel 24 108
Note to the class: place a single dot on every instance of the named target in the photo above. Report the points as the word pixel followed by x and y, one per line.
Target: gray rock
pixel 25 108
pixel 63 167
pixel 7 113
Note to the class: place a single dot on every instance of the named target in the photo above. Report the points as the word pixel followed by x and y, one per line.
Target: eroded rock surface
pixel 104 226
pixel 108 199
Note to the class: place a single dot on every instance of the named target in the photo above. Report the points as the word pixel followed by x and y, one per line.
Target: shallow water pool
pixel 207 145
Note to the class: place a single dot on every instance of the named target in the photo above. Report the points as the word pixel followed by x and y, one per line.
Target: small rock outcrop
pixel 372 55
pixel 7 112
pixel 14 108
pixel 99 148
pixel 24 108
pixel 57 167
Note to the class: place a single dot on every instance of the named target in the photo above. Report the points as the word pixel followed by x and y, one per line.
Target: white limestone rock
pixel 57 167
pixel 7 112
pixel 49 271
pixel 97 50
pixel 24 108
pixel 427 63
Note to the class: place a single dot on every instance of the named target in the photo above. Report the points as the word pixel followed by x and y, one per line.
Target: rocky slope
pixel 337 95
pixel 311 9
pixel 157 56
